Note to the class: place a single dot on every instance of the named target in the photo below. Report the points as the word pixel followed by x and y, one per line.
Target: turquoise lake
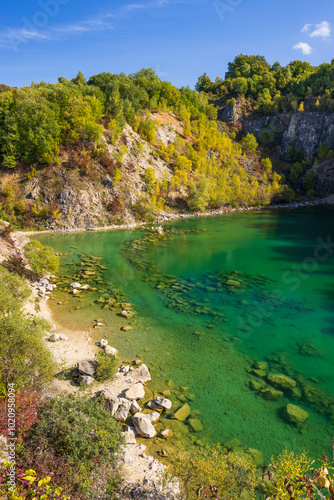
pixel 227 292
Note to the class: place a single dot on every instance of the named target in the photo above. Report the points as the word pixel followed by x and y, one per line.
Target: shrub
pixel 107 366
pixel 41 258
pixel 26 406
pixel 214 471
pixel 81 433
pixel 144 209
pixel 249 143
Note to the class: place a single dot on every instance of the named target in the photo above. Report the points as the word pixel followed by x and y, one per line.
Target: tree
pixel 249 143
pixel 41 258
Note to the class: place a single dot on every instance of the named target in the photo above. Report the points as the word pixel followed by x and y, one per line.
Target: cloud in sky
pixel 322 29
pixel 306 28
pixel 304 47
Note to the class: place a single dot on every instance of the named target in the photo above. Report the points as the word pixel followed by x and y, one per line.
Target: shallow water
pixel 281 311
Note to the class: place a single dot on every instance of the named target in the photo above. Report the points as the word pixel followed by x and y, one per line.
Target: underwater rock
pixel 281 381
pixel 182 413
pixel 261 365
pixel 195 425
pixel 255 456
pixel 166 434
pixel 271 394
pixel 153 417
pixel 258 373
pixel 294 414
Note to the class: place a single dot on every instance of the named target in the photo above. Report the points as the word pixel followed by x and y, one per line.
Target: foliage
pixel 107 367
pixel 28 484
pixel 249 143
pixel 26 407
pixel 24 358
pixel 294 477
pixel 80 431
pixel 214 471
pixel 143 209
pixel 41 258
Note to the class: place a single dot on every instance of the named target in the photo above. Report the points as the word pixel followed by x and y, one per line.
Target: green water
pixel 282 313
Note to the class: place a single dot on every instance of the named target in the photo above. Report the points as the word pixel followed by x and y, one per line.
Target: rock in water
pixel 87 367
pixel 182 413
pixel 295 415
pixel 137 391
pixel 163 402
pixel 271 394
pixel 143 425
pixel 141 374
pixel 281 381
pixel 195 425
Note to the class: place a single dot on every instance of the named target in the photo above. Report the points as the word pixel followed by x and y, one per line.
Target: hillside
pixel 118 148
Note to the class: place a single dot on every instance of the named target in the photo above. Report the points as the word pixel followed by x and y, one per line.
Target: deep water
pixel 247 287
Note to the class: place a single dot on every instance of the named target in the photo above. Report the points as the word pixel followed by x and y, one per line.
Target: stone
pixel 258 373
pixel 195 425
pixel 111 351
pixel 126 328
pixel 63 337
pixel 111 401
pixel 143 425
pixel 137 391
pixel 75 285
pixel 295 415
pixel 163 402
pixel 153 406
pixel 255 385
pixel 124 313
pixel 167 393
pixel 261 365
pixel 54 337
pixel 141 374
pixel 123 410
pixel 281 381
pixel 134 408
pixel 85 379
pixel 87 367
pixel 271 394
pixel 182 413
pixel 84 287
pixel 130 435
pixel 153 417
pixel 166 434
pixel 103 343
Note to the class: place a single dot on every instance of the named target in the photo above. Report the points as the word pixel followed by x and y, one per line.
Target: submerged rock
pixel 182 413
pixel 295 415
pixel 195 425
pixel 271 394
pixel 281 381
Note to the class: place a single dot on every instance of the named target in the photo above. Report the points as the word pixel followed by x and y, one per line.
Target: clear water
pixel 281 311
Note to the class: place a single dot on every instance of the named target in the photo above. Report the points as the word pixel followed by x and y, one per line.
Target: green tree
pixel 249 143
pixel 41 258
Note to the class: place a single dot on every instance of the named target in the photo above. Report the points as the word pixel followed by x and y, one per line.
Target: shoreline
pixel 329 200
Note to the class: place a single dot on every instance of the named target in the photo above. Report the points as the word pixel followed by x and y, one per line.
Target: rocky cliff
pixel 307 130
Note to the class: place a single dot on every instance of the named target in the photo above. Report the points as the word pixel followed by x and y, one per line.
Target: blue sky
pixel 179 39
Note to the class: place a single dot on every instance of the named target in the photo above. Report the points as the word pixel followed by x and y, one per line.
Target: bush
pixel 107 367
pixel 214 471
pixel 41 258
pixel 80 432
pixel 144 209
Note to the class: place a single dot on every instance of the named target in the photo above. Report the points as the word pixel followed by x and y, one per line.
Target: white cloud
pixel 306 28
pixel 322 29
pixel 12 37
pixel 304 47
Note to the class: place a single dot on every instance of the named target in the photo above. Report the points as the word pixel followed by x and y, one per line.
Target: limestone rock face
pixel 295 415
pixel 281 381
pixel 143 425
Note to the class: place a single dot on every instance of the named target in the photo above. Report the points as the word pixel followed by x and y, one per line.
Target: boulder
pixel 111 351
pixel 111 401
pixel 195 425
pixel 87 367
pixel 130 435
pixel 182 413
pixel 54 337
pixel 141 374
pixel 85 379
pixel 75 285
pixel 163 402
pixel 137 391
pixel 271 394
pixel 153 417
pixel 261 365
pixel 281 381
pixel 103 343
pixel 123 410
pixel 143 425
pixel 166 434
pixel 153 406
pixel 134 408
pixel 295 415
